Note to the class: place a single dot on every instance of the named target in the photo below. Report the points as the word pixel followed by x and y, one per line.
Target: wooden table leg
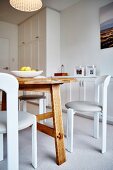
pixel 58 124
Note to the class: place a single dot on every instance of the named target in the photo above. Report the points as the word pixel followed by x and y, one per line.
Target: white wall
pixel 80 38
pixel 10 31
pixel 42 42
pixel 52 41
pixel 49 41
pixel 106 13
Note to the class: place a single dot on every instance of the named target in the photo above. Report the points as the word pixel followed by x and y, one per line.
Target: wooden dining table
pixel 52 86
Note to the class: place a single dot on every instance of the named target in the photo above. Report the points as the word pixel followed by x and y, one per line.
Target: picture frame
pixel 106 26
pixel 79 71
pixel 90 71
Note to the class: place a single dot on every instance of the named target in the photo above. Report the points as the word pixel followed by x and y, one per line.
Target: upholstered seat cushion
pixel 25 120
pixel 84 106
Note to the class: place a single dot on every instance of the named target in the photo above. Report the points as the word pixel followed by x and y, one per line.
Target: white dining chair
pixel 41 98
pixel 11 121
pixel 98 107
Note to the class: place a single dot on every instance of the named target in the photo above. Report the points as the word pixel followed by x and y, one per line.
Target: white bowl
pixel 27 73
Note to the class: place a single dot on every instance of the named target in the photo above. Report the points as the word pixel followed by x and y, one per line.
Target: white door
pixel 4 53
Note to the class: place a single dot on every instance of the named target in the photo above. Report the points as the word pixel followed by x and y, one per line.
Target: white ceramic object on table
pixel 27 73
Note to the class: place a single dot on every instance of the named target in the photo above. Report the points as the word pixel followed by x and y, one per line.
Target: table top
pixel 64 79
pixel 45 80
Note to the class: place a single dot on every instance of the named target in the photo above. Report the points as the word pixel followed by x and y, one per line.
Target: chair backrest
pixel 9 84
pixel 101 85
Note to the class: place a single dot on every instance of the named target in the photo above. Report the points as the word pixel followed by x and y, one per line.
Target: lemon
pixel 28 69
pixel 23 68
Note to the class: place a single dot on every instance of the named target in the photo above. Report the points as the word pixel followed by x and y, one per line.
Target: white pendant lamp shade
pixel 26 5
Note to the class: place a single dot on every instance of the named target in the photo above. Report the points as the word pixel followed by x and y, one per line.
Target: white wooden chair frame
pixel 42 102
pixel 9 84
pixel 102 81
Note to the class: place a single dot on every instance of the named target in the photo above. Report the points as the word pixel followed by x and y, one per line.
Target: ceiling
pixel 11 15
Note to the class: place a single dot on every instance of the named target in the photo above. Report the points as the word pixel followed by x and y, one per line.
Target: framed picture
pixel 90 71
pixel 106 26
pixel 79 71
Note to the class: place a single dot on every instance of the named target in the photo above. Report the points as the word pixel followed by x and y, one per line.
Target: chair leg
pixel 24 106
pixel 96 125
pixel 1 147
pixel 104 131
pixel 70 118
pixel 34 144
pixel 19 103
pixel 12 141
pixel 44 108
pixel 41 108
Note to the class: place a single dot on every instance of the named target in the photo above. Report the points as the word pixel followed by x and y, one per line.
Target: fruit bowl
pixel 27 73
